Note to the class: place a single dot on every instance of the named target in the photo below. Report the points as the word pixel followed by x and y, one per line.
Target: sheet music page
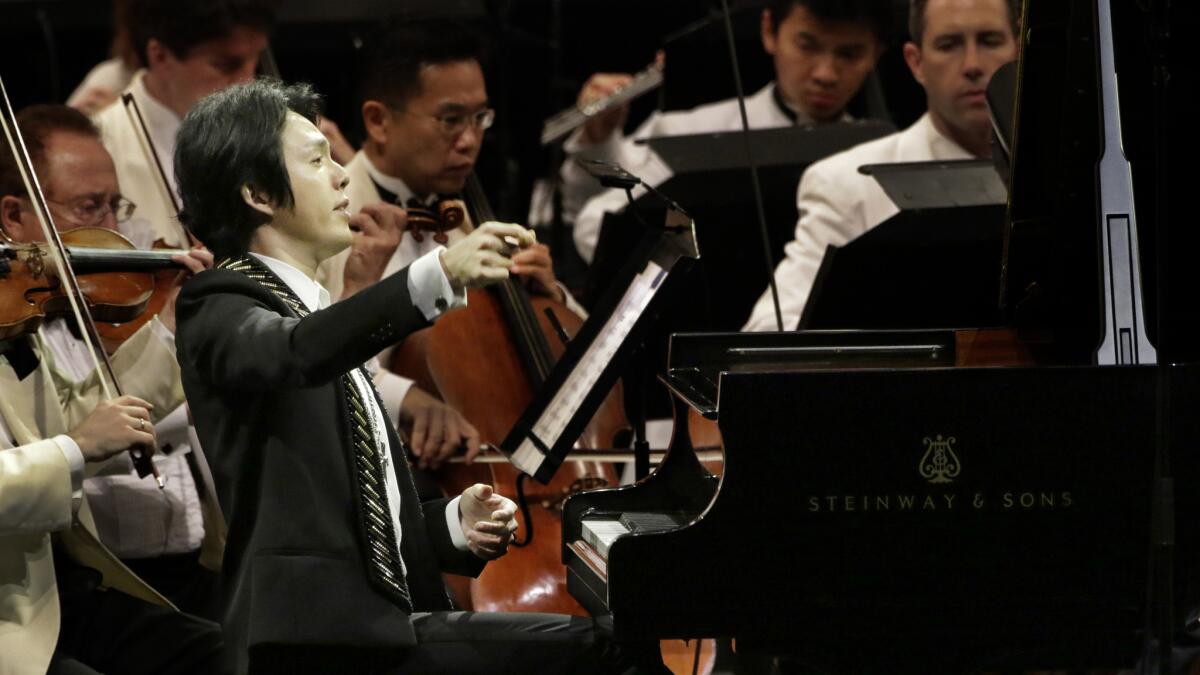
pixel 582 379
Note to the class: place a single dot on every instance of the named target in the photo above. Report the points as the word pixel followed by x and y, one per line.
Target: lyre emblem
pixel 939 464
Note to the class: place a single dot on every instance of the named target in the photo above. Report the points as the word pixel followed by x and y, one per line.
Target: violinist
pixel 822 51
pixel 425 109
pixel 189 48
pixel 333 556
pixel 71 606
pixel 159 533
pixel 956 46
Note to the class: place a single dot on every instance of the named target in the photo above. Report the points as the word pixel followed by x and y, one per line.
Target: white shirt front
pixel 426 283
pixel 134 518
pixel 837 204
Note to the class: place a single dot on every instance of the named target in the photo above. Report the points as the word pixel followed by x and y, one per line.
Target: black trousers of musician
pixel 484 643
pixel 106 631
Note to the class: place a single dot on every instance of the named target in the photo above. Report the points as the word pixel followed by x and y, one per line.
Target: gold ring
pixel 141 424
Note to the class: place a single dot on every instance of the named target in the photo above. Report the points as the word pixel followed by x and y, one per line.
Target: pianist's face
pixel 963 44
pixel 819 64
pixel 317 224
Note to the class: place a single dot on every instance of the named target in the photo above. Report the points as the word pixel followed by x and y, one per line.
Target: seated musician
pixel 71 606
pixel 333 558
pixel 823 51
pixel 188 49
pixel 171 537
pixel 425 109
pixel 956 47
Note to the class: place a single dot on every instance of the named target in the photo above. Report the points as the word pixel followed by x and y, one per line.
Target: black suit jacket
pixel 265 389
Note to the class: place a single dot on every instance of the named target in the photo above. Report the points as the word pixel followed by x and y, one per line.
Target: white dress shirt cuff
pixel 572 304
pixel 454 523
pixel 609 149
pixel 429 288
pixel 392 389
pixel 70 450
pixel 160 329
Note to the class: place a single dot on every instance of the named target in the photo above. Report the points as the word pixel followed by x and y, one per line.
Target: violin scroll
pixel 446 215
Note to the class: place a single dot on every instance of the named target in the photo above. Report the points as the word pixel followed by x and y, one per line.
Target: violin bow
pixel 109 383
pixel 134 111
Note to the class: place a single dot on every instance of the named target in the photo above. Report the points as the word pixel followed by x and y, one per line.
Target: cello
pixel 486 360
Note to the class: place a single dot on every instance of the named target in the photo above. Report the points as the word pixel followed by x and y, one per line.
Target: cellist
pixel 425 109
pixel 71 605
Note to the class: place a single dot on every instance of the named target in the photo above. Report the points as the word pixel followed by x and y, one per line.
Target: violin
pixel 117 281
pixel 109 383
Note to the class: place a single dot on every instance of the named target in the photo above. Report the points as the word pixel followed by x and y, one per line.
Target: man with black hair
pixel 333 558
pixel 189 48
pixel 956 47
pixel 823 51
pixel 425 110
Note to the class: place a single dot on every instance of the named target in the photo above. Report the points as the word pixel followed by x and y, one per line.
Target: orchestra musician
pixel 171 537
pixel 333 557
pixel 956 47
pixel 425 109
pixel 823 51
pixel 189 48
pixel 72 606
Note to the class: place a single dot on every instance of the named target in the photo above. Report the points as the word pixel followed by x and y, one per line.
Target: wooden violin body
pixel 117 281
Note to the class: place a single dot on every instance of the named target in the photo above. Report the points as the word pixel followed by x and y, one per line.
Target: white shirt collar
pixel 941 147
pixel 390 183
pixel 162 123
pixel 313 295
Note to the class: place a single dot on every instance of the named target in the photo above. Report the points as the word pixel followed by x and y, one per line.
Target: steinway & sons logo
pixel 940 465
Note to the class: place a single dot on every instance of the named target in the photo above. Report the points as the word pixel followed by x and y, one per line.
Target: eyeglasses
pixel 87 211
pixel 454 124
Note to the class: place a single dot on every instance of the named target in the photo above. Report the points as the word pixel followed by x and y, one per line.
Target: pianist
pixel 956 46
pixel 333 558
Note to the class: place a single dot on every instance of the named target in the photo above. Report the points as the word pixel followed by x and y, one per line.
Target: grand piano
pixel 923 501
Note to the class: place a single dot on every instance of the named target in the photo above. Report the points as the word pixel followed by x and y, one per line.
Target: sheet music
pixel 582 379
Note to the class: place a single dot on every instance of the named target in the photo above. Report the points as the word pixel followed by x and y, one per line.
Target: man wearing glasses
pixel 425 109
pixel 61 462
pixel 161 534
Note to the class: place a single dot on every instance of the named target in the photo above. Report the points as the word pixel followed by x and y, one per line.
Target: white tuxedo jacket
pixel 36 495
pixel 836 204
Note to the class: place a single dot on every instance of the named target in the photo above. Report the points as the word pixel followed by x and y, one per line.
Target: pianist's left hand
pixel 488 520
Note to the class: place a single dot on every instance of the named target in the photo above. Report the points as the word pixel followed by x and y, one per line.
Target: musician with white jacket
pixel 822 52
pixel 957 46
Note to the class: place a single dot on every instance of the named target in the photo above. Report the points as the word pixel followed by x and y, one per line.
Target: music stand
pixel 936 264
pixel 595 357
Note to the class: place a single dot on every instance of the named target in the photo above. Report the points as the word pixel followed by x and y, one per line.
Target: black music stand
pixel 710 181
pixel 599 353
pixel 936 264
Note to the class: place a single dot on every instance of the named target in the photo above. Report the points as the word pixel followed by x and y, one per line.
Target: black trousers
pixel 193 588
pixel 487 643
pixel 106 631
